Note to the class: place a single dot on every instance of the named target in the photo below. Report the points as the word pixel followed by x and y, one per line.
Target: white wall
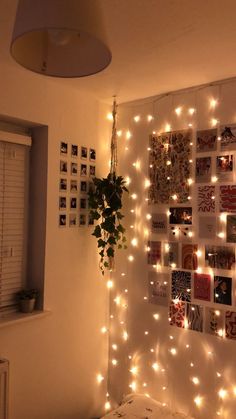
pixel 54 360
pixel 171 384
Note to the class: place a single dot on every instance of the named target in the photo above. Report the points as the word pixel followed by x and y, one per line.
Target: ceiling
pixel 157 46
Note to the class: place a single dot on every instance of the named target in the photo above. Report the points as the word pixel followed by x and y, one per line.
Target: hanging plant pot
pixel 27 306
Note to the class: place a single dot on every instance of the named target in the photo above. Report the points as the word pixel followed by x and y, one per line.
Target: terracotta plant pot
pixel 27 306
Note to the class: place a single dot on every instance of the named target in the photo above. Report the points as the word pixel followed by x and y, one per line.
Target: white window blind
pixel 14 177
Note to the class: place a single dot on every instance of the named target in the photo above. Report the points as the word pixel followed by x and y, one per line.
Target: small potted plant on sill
pixel 27 299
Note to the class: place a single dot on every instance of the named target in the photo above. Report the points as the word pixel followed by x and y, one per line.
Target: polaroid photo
pixel 181 215
pixel 154 252
pixel 220 257
pixel 74 150
pixel 63 148
pixel 230 325
pixel 194 316
pixel 222 290
pixel 159 223
pixel 74 169
pixel 92 154
pixel 83 203
pixel 73 186
pixel 62 202
pixel 214 321
pixel 72 220
pixel 73 203
pixel 228 198
pixel 203 169
pixel 83 186
pixel 206 140
pixel 63 166
pixel 207 228
pixel 92 170
pixel 206 198
pixel 171 254
pixel 63 184
pixel 189 257
pixel 83 170
pixel 158 288
pixel 228 137
pixel 180 233
pixel 177 314
pixel 224 167
pixel 181 286
pixel 82 219
pixel 202 286
pixel 62 220
pixel 84 153
pixel 231 229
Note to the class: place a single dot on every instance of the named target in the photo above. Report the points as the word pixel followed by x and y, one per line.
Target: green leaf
pixel 106 264
pixel 97 232
pixel 120 228
pixel 119 246
pixel 124 239
pixel 101 243
pixel 119 215
pixel 111 240
pixel 110 252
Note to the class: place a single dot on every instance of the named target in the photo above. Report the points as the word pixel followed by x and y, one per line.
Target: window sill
pixel 14 318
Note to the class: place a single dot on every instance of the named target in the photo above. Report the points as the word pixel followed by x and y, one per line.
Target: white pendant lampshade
pixel 61 38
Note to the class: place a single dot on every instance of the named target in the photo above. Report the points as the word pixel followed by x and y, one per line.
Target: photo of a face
pixel 64 147
pixel 74 150
pixel 180 215
pixel 63 184
pixel 92 154
pixel 203 169
pixel 83 170
pixel 222 290
pixel 73 186
pixel 62 202
pixel 63 166
pixel 91 170
pixel 84 153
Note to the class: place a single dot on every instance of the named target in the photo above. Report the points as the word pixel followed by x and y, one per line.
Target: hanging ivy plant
pixel 105 203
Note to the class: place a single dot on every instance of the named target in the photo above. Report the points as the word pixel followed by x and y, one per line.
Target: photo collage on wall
pixel 77 168
pixel 191 250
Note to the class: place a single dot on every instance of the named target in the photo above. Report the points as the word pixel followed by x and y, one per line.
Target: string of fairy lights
pixel 119 305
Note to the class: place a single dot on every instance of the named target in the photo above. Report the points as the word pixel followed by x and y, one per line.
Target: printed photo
pixel 230 325
pixel 181 286
pixel 179 233
pixel 83 186
pixel 231 229
pixel 74 150
pixel 63 185
pixel 73 203
pixel 74 168
pixel 72 220
pixel 195 317
pixel 224 167
pixel 73 186
pixel 222 290
pixel 158 288
pixel 215 321
pixel 63 148
pixel 62 220
pixel 83 203
pixel 207 228
pixel 228 137
pixel 180 215
pixel 171 254
pixel 63 166
pixel 83 170
pixel 84 153
pixel 220 257
pixel 159 223
pixel 92 154
pixel 206 140
pixel 154 252
pixel 189 256
pixel 82 219
pixel 202 287
pixel 91 170
pixel 203 169
pixel 62 202
pixel 228 198
pixel 177 314
pixel 206 198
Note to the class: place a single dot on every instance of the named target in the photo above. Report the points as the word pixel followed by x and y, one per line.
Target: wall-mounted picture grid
pixel 92 154
pixel 203 169
pixel 206 140
pixel 83 170
pixel 74 150
pixel 73 186
pixel 220 257
pixel 180 215
pixel 72 220
pixel 228 137
pixel 62 220
pixel 63 166
pixel 62 202
pixel 84 153
pixel 63 147
pixel 222 290
pixel 74 169
pixel 63 184
pixel 224 167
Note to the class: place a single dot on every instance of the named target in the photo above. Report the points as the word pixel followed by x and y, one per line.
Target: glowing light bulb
pixel 122 274
pixel 134 370
pixel 110 284
pixel 150 118
pixel 130 258
pixel 191 111
pixel 114 362
pixel 128 135
pixel 137 118
pixel 187 346
pixel 190 125
pixel 146 332
pixel 221 333
pixel 155 366
pixel 167 128
pixel 107 405
pixel 144 384
pixel 104 329
pixel 222 393
pixel 156 316
pixel 190 181
pixel 149 149
pixel 127 180
pixel 199 253
pixel 100 378
pixel 154 132
pixel 168 163
pixel 221 235
pixel 174 197
pixel 178 110
pixel 214 122
pixel 213 103
pixel 147 183
pixel 133 386
pixel 191 364
pixel 195 380
pixel 110 116
pixel 173 351
pixel 117 300
pixel 119 133
pixel 223 217
pixel 148 216
pixel 190 234
pixel 218 374
pixel 198 401
pixel 114 347
pixel 125 335
pixel 134 196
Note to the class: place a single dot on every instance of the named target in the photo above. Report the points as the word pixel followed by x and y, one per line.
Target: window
pixel 14 190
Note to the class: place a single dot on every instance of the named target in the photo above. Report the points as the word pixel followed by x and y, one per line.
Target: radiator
pixel 4 376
